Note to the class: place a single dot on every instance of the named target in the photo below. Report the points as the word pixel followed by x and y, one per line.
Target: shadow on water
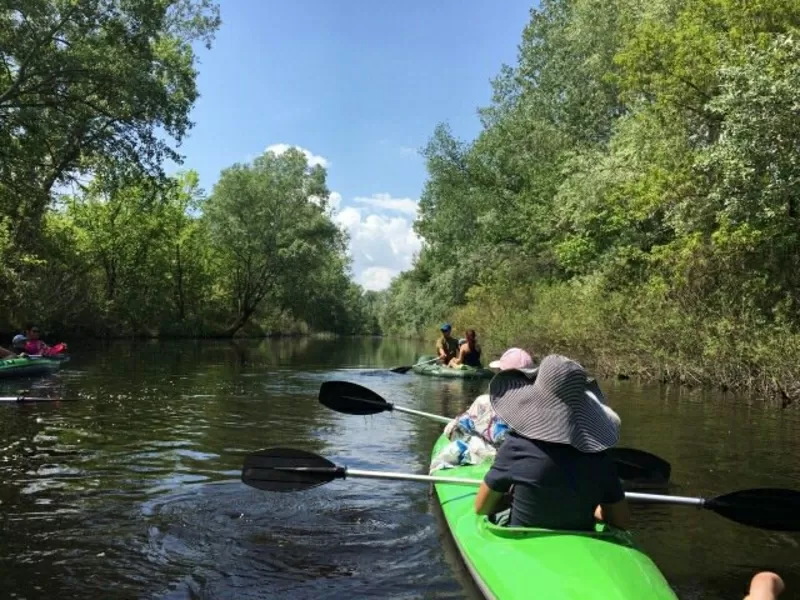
pixel 130 483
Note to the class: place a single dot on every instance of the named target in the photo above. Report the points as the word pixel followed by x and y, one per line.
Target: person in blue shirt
pixel 446 345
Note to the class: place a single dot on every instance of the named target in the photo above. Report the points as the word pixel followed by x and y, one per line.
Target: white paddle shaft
pixel 635 496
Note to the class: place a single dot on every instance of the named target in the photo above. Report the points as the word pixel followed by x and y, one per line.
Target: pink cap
pixel 513 358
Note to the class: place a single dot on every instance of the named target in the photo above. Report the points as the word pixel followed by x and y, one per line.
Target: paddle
pixel 353 399
pixel 28 399
pixel 289 470
pixel 406 369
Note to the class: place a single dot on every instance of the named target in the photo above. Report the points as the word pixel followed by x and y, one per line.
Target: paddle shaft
pixel 345 472
pixel 425 362
pixel 27 399
pixel 420 413
pixel 662 499
pixel 636 496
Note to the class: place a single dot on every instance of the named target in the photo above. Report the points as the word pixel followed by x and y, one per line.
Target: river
pixel 128 487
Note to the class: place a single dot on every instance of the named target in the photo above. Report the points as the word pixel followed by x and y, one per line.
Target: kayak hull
pixel 513 562
pixel 28 367
pixel 460 372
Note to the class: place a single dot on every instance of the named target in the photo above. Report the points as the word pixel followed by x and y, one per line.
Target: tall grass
pixel 637 334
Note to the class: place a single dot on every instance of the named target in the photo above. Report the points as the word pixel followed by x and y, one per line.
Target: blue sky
pixel 358 84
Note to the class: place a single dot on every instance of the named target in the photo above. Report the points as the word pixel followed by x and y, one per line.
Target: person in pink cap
pixel 479 418
pixel 513 358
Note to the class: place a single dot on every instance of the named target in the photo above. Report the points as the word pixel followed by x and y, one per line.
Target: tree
pixel 122 238
pixel 269 224
pixel 91 82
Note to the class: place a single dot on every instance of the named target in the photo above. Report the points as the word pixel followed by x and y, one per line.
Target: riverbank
pixel 626 335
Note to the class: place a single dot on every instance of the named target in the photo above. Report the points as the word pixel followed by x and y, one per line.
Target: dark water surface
pixel 129 486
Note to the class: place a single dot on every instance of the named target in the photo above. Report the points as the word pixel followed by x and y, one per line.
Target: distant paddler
pixel 446 345
pixel 469 351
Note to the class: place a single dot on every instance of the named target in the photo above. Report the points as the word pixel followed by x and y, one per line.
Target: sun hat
pixel 513 358
pixel 555 404
pixel 19 340
pixel 445 327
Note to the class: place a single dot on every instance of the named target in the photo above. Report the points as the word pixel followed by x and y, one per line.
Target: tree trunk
pixel 240 321
pixel 179 284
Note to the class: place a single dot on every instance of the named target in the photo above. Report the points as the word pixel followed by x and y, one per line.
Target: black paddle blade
pixel 288 470
pixel 766 508
pixel 351 398
pixel 401 370
pixel 638 465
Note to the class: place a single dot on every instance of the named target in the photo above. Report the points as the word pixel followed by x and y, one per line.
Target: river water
pixel 128 487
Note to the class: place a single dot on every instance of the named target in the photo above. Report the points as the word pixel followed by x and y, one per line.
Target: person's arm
pixel 496 483
pixel 487 500
pixel 461 354
pixel 614 508
pixel 616 514
pixel 6 353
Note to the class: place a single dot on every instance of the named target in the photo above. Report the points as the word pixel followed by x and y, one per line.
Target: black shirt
pixel 555 485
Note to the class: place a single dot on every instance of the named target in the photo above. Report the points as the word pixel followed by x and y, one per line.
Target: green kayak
pixel 514 563
pixel 28 367
pixel 461 372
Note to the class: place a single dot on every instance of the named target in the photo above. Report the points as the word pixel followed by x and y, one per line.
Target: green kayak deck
pixel 28 367
pixel 460 372
pixel 512 563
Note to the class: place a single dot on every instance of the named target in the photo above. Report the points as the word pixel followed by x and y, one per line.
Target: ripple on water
pixel 286 545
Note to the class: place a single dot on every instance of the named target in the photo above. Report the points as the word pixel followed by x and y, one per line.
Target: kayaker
pixel 765 586
pixel 446 345
pixel 18 343
pixel 33 345
pixel 513 358
pixel 469 353
pixel 480 419
pixel 553 456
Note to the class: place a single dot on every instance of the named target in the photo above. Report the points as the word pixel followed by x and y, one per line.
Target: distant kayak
pixel 459 372
pixel 29 366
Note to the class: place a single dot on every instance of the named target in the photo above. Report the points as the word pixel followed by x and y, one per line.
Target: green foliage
pixel 276 240
pixel 91 83
pixel 101 90
pixel 632 197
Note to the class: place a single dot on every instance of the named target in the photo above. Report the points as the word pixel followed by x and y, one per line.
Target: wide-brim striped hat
pixel 556 403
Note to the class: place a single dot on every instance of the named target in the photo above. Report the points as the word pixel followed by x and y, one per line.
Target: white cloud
pixel 381 245
pixel 382 239
pixel 377 278
pixel 386 202
pixel 334 200
pixel 313 159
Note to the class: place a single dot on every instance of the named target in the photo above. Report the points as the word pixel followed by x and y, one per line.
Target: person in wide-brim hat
pixel 554 455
